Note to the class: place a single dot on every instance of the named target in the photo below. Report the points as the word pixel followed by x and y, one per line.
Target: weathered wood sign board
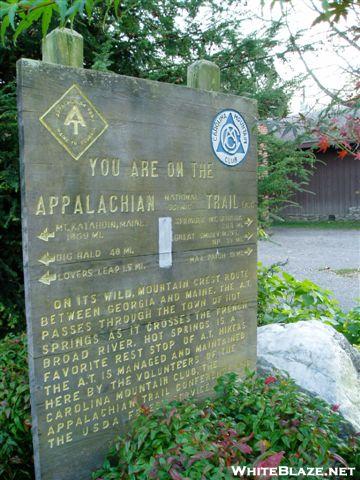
pixel 139 231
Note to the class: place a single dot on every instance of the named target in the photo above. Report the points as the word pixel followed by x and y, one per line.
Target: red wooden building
pixel 335 187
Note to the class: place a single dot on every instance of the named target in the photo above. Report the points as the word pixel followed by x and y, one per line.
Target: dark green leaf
pixel 46 19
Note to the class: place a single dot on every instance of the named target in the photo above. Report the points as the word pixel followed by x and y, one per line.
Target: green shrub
pixel 285 170
pixel 15 427
pixel 248 422
pixel 282 298
pixel 245 423
pixel 11 275
pixel 349 325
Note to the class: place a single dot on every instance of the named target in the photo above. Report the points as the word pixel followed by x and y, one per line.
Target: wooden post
pixel 63 46
pixel 204 75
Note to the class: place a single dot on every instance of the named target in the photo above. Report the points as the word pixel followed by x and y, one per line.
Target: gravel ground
pixel 317 254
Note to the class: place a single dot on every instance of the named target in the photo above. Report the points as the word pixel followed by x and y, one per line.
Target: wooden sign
pixel 139 233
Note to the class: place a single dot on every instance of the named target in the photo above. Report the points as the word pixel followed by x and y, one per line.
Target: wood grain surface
pixel 103 157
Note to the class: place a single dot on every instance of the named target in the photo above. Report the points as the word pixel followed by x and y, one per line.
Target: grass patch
pixel 347 272
pixel 343 272
pixel 339 224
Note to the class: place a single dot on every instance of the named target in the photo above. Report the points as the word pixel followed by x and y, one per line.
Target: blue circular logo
pixel 230 138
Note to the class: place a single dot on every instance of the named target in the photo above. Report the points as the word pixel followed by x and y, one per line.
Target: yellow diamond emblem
pixel 74 122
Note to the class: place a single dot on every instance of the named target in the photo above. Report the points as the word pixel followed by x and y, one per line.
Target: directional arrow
pixel 248 251
pixel 47 259
pixel 45 235
pixel 249 221
pixel 48 278
pixel 248 235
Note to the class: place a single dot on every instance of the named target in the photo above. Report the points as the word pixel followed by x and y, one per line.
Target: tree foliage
pixel 338 123
pixel 11 292
pixel 287 168
pixel 338 37
pixel 328 11
pixel 147 38
pixel 158 40
pixel 21 15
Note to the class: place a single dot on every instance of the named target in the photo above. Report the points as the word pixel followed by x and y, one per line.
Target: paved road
pixel 316 254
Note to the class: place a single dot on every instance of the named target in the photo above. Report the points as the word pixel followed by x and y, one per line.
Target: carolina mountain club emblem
pixel 230 138
pixel 74 122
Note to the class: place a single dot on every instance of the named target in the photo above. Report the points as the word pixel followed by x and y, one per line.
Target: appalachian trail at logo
pixel 230 138
pixel 74 122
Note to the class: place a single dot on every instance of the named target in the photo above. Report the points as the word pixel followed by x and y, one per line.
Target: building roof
pixel 293 127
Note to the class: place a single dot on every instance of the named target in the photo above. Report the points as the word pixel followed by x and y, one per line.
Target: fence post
pixel 204 75
pixel 63 46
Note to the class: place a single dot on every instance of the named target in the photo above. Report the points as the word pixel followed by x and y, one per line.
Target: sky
pixel 325 61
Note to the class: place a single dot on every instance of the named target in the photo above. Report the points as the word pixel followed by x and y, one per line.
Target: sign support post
pixel 204 75
pixel 65 47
